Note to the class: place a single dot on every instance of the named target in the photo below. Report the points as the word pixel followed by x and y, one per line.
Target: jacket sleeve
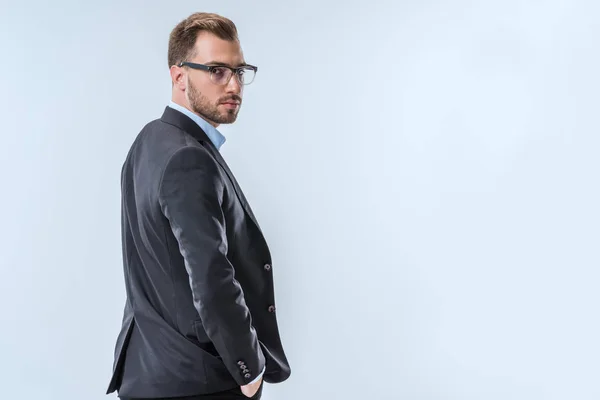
pixel 190 196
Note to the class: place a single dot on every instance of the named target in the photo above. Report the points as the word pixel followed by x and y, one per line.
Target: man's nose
pixel 234 86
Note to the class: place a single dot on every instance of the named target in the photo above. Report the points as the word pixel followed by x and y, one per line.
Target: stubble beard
pixel 203 107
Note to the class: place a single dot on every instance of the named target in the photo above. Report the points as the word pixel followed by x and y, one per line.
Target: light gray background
pixel 426 173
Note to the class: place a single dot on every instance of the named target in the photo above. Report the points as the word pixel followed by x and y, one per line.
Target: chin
pixel 229 119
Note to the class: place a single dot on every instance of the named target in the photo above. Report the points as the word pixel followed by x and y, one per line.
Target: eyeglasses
pixel 221 74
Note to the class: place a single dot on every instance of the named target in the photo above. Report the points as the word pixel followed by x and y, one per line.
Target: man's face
pixel 219 104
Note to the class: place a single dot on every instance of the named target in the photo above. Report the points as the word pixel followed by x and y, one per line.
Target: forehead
pixel 210 48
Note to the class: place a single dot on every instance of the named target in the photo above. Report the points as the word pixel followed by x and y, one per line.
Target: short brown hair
pixel 184 35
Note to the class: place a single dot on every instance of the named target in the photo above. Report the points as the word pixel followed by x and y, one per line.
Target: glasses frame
pixel 210 69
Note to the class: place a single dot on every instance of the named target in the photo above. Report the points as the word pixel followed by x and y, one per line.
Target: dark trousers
pixel 233 394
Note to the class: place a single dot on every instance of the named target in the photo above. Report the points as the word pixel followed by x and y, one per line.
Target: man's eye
pixel 219 70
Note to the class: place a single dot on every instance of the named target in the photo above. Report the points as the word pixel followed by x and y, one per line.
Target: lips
pixel 232 102
pixel 231 106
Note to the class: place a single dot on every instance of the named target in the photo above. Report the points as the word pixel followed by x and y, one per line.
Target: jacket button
pixel 268 267
pixel 271 309
pixel 247 376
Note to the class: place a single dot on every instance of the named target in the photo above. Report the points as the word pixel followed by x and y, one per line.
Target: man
pixel 199 319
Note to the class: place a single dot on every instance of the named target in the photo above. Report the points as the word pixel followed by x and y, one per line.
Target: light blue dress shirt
pixel 213 134
pixel 216 138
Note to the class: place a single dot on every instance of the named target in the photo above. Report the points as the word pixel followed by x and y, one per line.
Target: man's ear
pixel 177 77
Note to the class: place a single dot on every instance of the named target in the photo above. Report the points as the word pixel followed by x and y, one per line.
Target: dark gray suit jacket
pixel 200 310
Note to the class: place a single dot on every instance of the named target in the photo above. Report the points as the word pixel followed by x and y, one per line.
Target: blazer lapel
pixel 182 121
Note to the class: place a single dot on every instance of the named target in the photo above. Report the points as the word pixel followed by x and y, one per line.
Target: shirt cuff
pixel 258 377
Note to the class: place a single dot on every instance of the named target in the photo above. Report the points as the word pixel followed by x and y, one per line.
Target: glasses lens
pixel 246 75
pixel 220 75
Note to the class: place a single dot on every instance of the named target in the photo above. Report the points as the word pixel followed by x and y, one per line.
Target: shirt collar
pixel 214 135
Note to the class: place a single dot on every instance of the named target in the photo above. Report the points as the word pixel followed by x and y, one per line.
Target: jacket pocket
pixel 204 341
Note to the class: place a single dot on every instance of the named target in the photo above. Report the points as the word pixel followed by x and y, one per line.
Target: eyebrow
pixel 217 63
